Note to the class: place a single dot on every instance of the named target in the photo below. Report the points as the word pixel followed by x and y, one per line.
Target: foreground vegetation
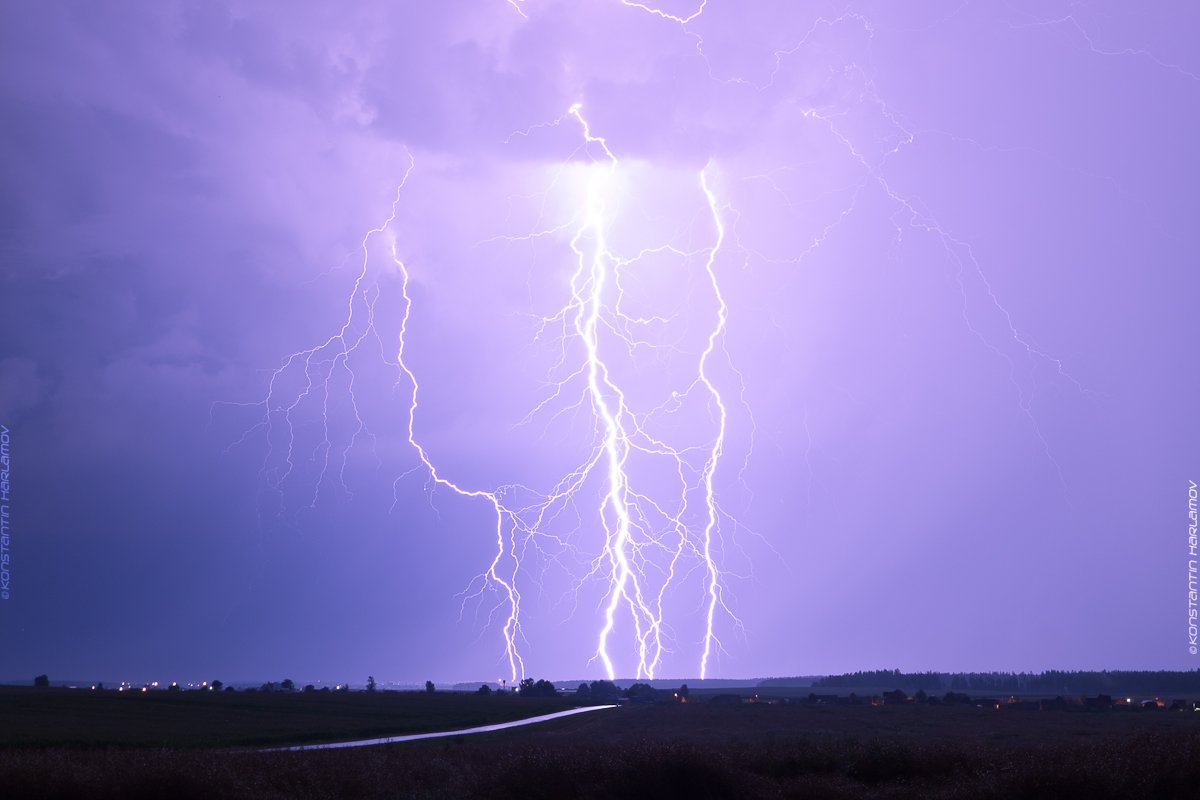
pixel 1148 766
pixel 1051 682
pixel 695 750
pixel 81 718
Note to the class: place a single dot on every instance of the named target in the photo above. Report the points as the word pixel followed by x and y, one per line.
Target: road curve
pixel 499 726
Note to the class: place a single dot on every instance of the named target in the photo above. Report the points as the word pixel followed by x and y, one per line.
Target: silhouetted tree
pixel 288 685
pixel 604 692
pixel 370 683
pixel 641 693
pixel 429 687
pixel 542 688
pixel 216 685
pixel 525 685
pixel 683 693
pixel 309 688
pixel 1049 682
pixel 584 692
pixel 920 696
pixel 41 681
pixel 484 689
pixel 229 689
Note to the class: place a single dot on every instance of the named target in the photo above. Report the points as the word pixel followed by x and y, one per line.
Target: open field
pixel 83 718
pixel 689 751
pixel 762 724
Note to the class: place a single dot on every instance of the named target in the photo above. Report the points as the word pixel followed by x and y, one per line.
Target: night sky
pixel 890 310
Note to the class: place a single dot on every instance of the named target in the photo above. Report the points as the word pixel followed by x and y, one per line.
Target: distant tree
pixel 229 689
pixel 604 692
pixel 920 696
pixel 216 685
pixel 309 688
pixel 542 688
pixel 525 685
pixel 100 685
pixel 429 687
pixel 641 693
pixel 288 685
pixel 584 692
pixel 41 681
pixel 174 687
pixel 484 689
pixel 270 686
pixel 683 693
pixel 370 683
pixel 345 687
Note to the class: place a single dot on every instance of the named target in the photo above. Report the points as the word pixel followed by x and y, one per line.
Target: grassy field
pixel 694 751
pixel 84 718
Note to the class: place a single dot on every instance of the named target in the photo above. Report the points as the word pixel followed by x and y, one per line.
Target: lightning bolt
pixel 652 539
pixel 625 511
pixel 718 444
pixel 505 540
pixel 1017 345
pixel 658 12
pixel 321 364
pixel 645 549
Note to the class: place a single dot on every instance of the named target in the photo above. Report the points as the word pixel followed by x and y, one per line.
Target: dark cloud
pixel 958 302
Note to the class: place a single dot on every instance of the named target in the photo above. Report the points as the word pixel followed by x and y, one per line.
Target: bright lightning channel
pixel 650 544
pixel 622 434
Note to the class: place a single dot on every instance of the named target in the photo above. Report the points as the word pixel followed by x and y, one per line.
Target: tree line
pixel 1048 682
pixel 599 691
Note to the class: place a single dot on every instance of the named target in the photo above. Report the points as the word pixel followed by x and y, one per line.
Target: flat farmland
pixel 87 719
pixel 694 751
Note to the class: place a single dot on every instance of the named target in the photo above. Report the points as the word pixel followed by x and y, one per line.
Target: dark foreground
pixel 82 719
pixel 692 751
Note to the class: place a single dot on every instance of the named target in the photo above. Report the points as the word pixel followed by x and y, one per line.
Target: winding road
pixel 499 726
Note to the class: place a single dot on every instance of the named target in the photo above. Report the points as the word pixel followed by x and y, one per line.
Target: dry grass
pixel 1147 766
pixel 82 718
pixel 664 752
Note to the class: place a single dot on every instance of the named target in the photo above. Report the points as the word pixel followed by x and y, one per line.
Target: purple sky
pixel 959 360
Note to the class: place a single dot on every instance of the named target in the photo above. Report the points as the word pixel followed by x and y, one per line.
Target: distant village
pixel 1141 691
pixel 1011 702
